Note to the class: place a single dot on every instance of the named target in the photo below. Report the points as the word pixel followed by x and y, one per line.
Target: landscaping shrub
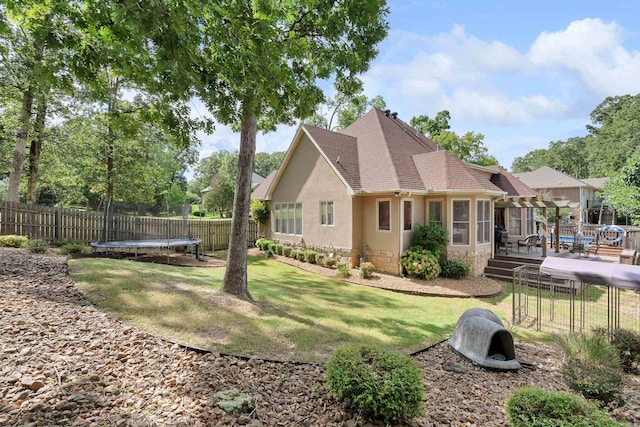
pixel 420 263
pixel 627 344
pixel 271 247
pixel 263 244
pixel 533 406
pixel 454 269
pixel 320 258
pixel 279 249
pixel 270 253
pixel 259 211
pixel 13 241
pixel 299 255
pixel 432 237
pixel 199 213
pixel 286 251
pixel 378 382
pixel 310 256
pixel 74 248
pixel 343 270
pixel 330 262
pixel 592 366
pixel 37 246
pixel 366 270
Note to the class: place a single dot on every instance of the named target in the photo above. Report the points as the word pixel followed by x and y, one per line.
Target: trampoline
pixel 148 244
pixel 167 242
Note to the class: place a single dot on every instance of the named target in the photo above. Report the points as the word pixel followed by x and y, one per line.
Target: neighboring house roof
pixel 260 192
pixel 380 153
pixel 597 183
pixel 546 177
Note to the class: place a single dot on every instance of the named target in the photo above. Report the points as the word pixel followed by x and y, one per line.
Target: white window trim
pixel 333 213
pixel 469 222
pixel 378 215
pixel 412 214
pixel 486 221
pixel 282 218
pixel 428 211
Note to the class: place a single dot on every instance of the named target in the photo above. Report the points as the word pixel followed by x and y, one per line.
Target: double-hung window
pixel 384 215
pixel 407 212
pixel 484 221
pixel 326 213
pixel 435 212
pixel 515 221
pixel 460 229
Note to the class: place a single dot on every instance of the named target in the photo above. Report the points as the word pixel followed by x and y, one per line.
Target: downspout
pixel 401 229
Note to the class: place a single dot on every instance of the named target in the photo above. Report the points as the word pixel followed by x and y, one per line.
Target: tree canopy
pixel 610 149
pixel 613 137
pixel 468 147
pixel 261 66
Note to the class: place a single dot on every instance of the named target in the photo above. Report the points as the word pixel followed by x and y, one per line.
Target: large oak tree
pixel 262 64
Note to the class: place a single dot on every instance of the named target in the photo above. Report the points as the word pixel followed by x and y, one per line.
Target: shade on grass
pixel 294 315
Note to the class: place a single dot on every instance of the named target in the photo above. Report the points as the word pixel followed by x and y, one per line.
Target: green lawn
pixel 294 315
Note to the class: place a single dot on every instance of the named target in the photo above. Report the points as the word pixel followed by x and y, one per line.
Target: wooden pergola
pixel 540 202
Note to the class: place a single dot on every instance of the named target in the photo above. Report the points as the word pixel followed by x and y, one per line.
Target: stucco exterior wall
pixel 382 248
pixel 309 179
pixel 475 254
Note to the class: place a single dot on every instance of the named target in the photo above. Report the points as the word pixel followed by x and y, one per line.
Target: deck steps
pixel 501 267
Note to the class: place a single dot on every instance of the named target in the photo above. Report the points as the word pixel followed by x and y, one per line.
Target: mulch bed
pixel 65 362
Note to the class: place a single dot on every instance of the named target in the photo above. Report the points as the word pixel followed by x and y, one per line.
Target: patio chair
pixel 593 249
pixel 531 241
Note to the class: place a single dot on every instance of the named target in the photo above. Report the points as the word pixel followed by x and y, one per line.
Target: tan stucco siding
pixel 310 180
pixel 382 247
pixel 475 254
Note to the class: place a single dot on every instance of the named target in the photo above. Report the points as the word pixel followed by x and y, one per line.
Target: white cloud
pixel 497 109
pixel 592 49
pixel 461 73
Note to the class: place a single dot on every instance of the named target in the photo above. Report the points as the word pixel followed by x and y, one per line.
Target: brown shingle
pixel 442 171
pixel 342 152
pixel 509 183
pixel 547 178
pixel 385 148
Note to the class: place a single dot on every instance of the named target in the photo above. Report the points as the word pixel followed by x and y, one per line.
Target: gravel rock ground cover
pixel 64 362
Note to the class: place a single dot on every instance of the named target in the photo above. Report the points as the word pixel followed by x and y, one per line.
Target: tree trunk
pixel 35 149
pixel 13 192
pixel 235 276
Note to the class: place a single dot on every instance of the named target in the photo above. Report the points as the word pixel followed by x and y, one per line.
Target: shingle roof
pixel 385 149
pixel 381 153
pixel 443 171
pixel 342 152
pixel 595 182
pixel 546 177
pixel 509 183
pixel 260 192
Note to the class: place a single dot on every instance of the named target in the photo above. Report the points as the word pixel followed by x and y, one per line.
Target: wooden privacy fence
pixel 57 224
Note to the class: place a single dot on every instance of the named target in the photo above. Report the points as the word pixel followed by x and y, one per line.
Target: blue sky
pixel 522 73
